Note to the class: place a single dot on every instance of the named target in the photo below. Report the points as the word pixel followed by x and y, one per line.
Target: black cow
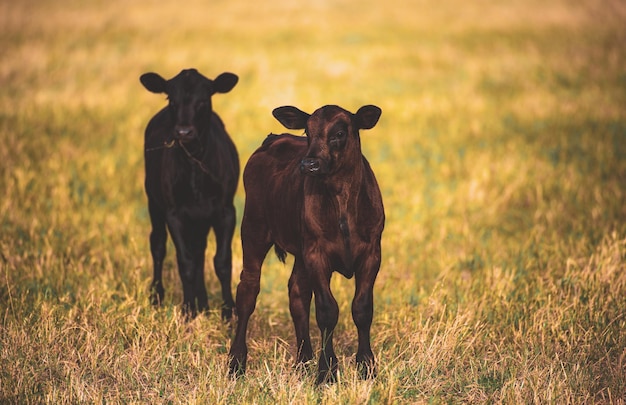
pixel 192 170
pixel 315 197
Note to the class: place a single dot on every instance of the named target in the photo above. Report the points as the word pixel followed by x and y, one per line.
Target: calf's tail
pixel 280 253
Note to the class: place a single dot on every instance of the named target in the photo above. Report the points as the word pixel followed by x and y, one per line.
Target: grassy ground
pixel 501 154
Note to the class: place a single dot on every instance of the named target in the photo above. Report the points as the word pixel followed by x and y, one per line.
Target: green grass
pixel 501 155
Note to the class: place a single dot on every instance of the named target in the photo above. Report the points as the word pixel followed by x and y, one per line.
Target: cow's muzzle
pixel 184 133
pixel 310 166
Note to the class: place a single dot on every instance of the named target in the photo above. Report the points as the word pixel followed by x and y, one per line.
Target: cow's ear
pixel 153 82
pixel 367 116
pixel 225 82
pixel 291 117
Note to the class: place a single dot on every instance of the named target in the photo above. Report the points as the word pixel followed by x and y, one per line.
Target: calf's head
pixel 189 95
pixel 332 133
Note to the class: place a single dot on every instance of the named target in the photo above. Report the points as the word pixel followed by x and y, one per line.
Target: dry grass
pixel 501 154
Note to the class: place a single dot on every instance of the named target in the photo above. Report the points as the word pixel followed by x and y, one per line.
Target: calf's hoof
pixel 157 293
pixel 236 368
pixel 227 314
pixel 327 375
pixel 366 370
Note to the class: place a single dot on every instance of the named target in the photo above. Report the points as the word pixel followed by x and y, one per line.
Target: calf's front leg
pixel 190 241
pixel 300 306
pixel 327 315
pixel 158 239
pixel 362 314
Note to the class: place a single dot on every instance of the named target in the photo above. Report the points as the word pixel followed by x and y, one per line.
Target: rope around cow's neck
pixel 165 145
pixel 169 145
pixel 193 158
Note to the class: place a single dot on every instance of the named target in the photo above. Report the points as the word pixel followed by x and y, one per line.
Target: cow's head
pixel 333 135
pixel 189 95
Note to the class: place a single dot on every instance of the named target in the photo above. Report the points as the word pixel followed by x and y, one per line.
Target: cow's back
pixel 273 186
pixel 224 161
pixel 158 134
pixel 275 161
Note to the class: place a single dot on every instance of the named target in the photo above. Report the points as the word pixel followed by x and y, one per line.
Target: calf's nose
pixel 183 131
pixel 309 166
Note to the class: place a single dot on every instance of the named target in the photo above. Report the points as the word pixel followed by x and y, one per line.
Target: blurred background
pixel 501 153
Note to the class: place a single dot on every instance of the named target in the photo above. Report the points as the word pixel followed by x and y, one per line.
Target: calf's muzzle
pixel 184 133
pixel 310 166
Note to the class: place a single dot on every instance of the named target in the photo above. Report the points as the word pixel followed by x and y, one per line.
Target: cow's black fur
pixel 192 170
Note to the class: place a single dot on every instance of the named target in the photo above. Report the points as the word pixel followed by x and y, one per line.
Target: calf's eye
pixel 335 142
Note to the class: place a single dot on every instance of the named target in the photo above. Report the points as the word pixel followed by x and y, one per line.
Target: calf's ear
pixel 153 82
pixel 225 82
pixel 291 117
pixel 367 116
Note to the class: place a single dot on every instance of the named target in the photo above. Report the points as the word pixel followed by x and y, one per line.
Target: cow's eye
pixel 336 141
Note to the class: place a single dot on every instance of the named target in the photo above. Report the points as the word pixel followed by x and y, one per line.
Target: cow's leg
pixel 327 315
pixel 224 229
pixel 362 312
pixel 201 299
pixel 190 241
pixel 158 239
pixel 300 306
pixel 255 244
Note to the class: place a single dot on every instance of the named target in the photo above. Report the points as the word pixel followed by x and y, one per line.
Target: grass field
pixel 501 155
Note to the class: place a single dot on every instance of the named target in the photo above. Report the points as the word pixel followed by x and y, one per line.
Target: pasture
pixel 500 153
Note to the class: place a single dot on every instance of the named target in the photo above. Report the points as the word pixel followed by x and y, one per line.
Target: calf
pixel 315 197
pixel 192 170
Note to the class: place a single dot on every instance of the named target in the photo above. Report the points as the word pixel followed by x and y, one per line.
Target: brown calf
pixel 315 197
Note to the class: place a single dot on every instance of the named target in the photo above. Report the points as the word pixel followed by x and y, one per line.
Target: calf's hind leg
pixel 224 230
pixel 247 291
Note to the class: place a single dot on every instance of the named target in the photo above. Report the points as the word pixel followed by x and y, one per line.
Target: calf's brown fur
pixel 316 198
